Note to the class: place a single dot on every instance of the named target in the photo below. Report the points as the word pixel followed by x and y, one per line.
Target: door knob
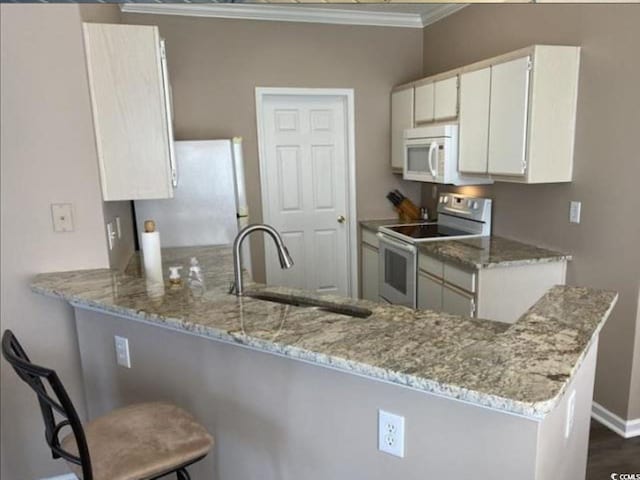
pixel 341 219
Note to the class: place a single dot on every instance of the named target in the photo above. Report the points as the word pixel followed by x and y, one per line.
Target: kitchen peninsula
pixel 502 393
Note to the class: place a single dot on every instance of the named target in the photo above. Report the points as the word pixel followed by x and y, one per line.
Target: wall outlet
pixel 62 217
pixel 571 414
pixel 391 433
pixel 574 211
pixel 122 351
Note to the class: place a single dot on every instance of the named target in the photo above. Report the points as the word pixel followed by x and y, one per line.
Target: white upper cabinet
pixel 401 119
pixel 475 88
pixel 131 111
pixel 508 117
pixel 437 100
pixel 446 98
pixel 425 103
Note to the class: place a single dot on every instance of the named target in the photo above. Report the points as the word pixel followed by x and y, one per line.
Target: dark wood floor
pixel 609 453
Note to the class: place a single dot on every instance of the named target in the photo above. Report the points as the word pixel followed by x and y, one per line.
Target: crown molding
pixel 295 13
pixel 438 13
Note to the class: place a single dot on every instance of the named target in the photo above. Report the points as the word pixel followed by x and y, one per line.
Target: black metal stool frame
pixel 61 404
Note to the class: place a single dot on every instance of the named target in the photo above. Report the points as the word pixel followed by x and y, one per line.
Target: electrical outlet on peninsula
pixel 391 433
pixel 122 351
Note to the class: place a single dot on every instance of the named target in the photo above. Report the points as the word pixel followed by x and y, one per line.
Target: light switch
pixel 111 234
pixel 118 228
pixel 62 217
pixel 574 212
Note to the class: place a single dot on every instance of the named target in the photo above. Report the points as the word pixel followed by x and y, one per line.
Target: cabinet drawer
pixel 429 292
pixel 457 302
pixel 430 265
pixel 370 237
pixel 463 279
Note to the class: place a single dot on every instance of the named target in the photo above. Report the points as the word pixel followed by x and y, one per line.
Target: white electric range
pixel 459 216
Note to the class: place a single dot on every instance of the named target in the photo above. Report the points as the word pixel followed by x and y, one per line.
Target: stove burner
pixel 427 230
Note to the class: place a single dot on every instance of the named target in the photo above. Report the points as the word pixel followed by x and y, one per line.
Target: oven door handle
pixel 433 168
pixel 393 243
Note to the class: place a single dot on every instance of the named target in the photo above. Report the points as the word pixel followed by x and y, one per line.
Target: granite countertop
pixel 521 368
pixel 481 252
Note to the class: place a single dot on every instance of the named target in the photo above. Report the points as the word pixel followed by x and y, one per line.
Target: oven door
pixel 423 159
pixel 398 263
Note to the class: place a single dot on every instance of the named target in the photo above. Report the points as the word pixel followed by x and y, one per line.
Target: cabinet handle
pixel 169 113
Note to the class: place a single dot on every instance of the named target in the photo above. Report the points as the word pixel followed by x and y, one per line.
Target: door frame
pixel 348 95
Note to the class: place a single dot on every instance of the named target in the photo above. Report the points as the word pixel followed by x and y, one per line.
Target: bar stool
pixel 140 442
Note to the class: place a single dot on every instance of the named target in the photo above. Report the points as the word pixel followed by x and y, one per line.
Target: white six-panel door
pixel 305 178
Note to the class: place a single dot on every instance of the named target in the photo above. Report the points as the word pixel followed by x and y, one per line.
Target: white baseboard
pixel 624 428
pixel 68 476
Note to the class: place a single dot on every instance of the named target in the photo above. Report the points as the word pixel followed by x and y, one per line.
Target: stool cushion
pixel 141 441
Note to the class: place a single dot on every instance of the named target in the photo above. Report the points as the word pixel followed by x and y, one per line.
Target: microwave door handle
pixel 401 246
pixel 433 148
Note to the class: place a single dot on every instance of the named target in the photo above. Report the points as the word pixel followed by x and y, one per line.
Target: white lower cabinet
pixel 369 272
pixel 499 293
pixel 457 301
pixel 369 262
pixel 429 291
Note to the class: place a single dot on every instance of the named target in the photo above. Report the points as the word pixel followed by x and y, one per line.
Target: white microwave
pixel 431 155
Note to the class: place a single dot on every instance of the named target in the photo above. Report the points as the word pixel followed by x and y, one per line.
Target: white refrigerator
pixel 209 206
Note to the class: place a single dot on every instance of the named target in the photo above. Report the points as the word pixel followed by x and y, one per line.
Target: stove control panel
pixel 464 206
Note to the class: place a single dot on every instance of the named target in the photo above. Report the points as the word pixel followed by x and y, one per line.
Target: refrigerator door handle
pixel 169 114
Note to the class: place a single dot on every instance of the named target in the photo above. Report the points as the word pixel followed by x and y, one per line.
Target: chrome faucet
pixel 283 254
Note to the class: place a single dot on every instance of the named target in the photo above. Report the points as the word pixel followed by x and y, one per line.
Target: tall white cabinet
pixel 401 119
pixel 475 88
pixel 131 103
pixel 508 117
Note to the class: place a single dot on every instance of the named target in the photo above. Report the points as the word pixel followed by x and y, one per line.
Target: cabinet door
pixel 369 273
pixel 457 302
pixel 429 292
pixel 425 98
pixel 446 99
pixel 475 90
pixel 401 119
pixel 508 117
pixel 130 111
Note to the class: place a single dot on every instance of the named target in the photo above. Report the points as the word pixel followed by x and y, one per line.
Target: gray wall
pixel 215 65
pixel 605 244
pixel 48 155
pixel 277 418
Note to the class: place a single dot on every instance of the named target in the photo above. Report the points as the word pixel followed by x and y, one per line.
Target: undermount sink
pixel 296 301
